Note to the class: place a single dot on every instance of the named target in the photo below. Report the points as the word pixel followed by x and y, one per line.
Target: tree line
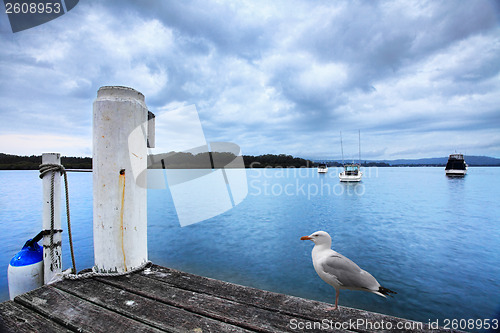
pixel 172 160
pixel 15 162
pixel 276 161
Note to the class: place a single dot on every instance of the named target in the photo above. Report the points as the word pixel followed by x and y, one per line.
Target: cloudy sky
pixel 417 78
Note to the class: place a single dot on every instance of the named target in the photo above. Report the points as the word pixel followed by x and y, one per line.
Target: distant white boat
pixel 456 165
pixel 322 168
pixel 352 172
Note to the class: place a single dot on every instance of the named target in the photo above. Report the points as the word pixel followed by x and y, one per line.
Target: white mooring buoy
pixel 25 271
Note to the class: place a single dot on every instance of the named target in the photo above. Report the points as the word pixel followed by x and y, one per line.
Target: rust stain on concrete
pixel 121 186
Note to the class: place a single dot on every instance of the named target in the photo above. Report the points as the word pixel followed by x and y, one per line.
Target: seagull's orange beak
pixel 305 238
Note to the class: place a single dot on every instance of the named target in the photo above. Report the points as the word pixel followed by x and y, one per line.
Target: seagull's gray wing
pixel 348 274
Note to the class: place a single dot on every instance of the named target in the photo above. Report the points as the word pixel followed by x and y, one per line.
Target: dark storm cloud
pixel 200 25
pixel 378 38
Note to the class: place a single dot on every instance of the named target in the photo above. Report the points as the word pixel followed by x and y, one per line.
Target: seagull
pixel 339 271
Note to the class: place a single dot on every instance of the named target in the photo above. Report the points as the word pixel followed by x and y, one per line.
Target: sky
pixel 416 78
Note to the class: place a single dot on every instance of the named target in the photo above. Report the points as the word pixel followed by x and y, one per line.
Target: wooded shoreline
pixel 172 161
pixel 175 160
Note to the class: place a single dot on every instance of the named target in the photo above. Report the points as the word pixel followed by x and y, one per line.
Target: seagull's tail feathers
pixel 384 292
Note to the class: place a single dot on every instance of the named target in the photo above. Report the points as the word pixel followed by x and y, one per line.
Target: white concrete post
pixel 50 269
pixel 120 204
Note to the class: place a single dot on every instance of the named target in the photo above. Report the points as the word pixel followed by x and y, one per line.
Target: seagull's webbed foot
pixel 335 308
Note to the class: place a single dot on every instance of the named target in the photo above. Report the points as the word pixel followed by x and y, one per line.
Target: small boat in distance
pixel 322 168
pixel 456 166
pixel 352 172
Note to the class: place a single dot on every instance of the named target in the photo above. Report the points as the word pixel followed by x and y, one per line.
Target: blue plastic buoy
pixel 25 271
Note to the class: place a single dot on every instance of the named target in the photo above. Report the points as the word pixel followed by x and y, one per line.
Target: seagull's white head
pixel 319 238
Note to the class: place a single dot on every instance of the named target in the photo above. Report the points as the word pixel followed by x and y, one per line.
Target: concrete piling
pixel 120 204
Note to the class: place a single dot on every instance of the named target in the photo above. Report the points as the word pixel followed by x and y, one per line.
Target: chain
pixel 92 274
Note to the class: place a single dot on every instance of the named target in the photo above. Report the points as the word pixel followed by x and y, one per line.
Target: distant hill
pixel 433 161
pixel 441 161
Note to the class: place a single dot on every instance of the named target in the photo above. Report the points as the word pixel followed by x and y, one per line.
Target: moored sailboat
pixel 352 172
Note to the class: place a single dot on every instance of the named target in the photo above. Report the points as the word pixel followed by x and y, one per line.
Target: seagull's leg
pixel 337 293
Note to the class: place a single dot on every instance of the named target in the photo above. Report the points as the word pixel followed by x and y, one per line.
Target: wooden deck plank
pixel 146 310
pixel 243 315
pixel 308 310
pixel 247 295
pixel 160 299
pixel 77 314
pixel 16 318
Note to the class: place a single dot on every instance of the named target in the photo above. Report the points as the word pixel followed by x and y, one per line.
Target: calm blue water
pixel 433 239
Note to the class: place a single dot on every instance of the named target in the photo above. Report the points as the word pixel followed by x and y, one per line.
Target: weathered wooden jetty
pixel 160 299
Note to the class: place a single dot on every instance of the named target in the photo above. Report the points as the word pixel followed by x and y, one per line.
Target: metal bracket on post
pixel 151 130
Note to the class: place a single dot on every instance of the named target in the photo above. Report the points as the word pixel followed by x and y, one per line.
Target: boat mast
pixel 359 142
pixel 341 147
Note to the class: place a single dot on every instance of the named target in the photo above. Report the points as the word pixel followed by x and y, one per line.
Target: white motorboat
pixel 352 173
pixel 322 168
pixel 456 166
